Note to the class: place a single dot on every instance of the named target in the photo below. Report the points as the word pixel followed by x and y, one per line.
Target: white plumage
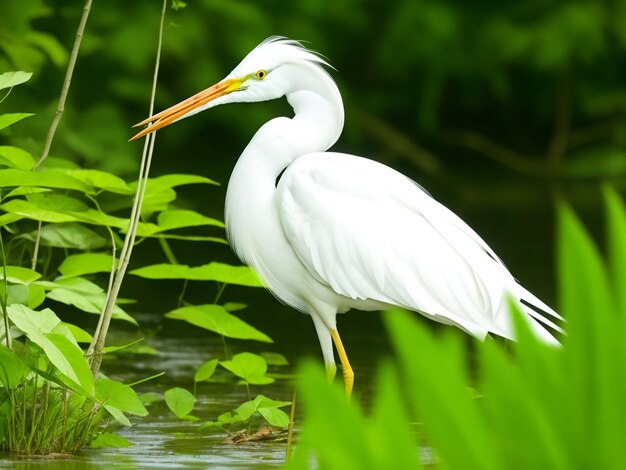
pixel 338 231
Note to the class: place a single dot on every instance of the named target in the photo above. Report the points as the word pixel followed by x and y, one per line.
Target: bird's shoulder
pixel 341 175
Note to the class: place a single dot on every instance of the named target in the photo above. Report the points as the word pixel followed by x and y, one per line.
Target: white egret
pixel 328 232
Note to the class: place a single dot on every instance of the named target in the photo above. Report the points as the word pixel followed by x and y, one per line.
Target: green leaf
pixel 205 371
pixel 9 119
pixel 11 79
pixel 275 417
pixel 249 367
pixel 616 236
pixel 215 318
pixel 118 415
pixel 49 178
pixel 84 295
pixel 120 396
pixel 15 294
pixel 180 401
pixel 19 275
pixel 335 426
pixel 171 181
pixel 437 381
pixel 86 263
pixel 239 275
pixel 30 211
pixel 71 235
pixel 101 180
pixel 275 359
pixel 108 439
pixel 41 328
pixel 178 218
pixel 79 335
pixel 16 158
pixel 12 369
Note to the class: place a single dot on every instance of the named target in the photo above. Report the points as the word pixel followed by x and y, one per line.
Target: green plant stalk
pixel 66 83
pixel 96 347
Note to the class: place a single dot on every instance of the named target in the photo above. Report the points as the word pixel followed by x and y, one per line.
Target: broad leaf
pixel 117 395
pixel 249 367
pixel 101 180
pixel 267 407
pixel 9 119
pixel 79 335
pixel 16 158
pixel 216 318
pixel 205 371
pixel 180 401
pixel 11 79
pixel 82 294
pixel 41 327
pixel 12 369
pixel 108 439
pixel 178 218
pixel 171 181
pixel 46 179
pixel 71 235
pixel 86 263
pixel 239 275
pixel 19 275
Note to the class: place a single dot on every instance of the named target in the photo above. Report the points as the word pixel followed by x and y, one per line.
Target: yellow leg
pixel 348 373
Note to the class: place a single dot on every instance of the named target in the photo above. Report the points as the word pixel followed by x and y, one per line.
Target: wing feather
pixel 369 232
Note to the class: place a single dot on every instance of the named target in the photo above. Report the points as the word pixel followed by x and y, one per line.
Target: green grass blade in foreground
pixel 391 437
pixel 616 243
pixel 592 359
pixel 435 372
pixel 334 430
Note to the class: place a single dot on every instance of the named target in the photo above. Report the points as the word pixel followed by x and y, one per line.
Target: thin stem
pixel 167 251
pixel 33 261
pixel 66 83
pixel 97 344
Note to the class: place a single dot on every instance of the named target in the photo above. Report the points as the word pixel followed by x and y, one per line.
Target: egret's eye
pixel 261 74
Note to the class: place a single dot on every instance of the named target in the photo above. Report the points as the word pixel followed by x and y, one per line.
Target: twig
pixel 66 83
pixel 97 345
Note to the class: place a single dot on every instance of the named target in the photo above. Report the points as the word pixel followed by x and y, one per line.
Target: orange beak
pixel 170 115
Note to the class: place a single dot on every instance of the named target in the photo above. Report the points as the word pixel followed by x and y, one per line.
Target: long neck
pixel 315 126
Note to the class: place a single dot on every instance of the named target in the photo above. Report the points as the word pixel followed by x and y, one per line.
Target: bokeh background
pixel 497 108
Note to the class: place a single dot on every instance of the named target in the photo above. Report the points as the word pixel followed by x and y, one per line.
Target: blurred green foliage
pixel 536 86
pixel 524 405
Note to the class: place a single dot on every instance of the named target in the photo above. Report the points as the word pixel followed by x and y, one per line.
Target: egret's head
pixel 266 73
